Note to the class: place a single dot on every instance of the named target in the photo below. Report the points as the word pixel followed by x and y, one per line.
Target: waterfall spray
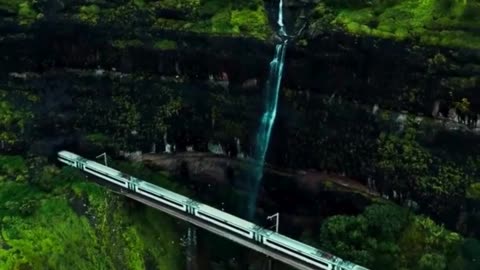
pixel 271 100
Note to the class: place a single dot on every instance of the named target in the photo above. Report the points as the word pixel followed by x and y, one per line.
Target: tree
pixel 431 261
pixel 13 121
pixel 368 239
pixel 401 161
pixel 390 237
pixel 442 192
pixel 125 120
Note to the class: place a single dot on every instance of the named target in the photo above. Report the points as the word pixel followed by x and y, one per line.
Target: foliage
pixel 13 168
pixel 473 191
pixel 10 5
pixel 250 21
pixel 221 21
pixel 158 178
pixel 432 22
pixel 77 225
pixel 89 14
pixel 129 111
pixel 122 44
pixel 463 105
pixel 410 169
pixel 26 13
pixel 184 5
pixel 349 237
pixel 98 139
pixel 13 118
pixel 129 16
pixel 401 160
pixel 165 44
pixel 127 117
pixel 219 17
pixel 388 237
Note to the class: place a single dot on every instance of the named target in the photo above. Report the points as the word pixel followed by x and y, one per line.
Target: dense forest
pixel 380 92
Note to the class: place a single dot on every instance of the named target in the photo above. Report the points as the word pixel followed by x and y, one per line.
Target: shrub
pixel 165 45
pixel 89 14
pixel 26 13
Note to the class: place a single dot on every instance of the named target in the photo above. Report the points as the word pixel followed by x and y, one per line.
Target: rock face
pixel 395 75
pixel 197 71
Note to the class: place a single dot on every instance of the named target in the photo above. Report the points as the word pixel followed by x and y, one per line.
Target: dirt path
pixel 214 166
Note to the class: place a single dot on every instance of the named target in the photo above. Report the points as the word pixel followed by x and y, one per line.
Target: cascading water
pixel 272 90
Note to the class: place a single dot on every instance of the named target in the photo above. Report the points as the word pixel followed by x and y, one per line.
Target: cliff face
pixel 198 39
pixel 366 89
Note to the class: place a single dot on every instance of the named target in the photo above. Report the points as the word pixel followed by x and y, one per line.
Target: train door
pixel 258 234
pixel 80 164
pixel 132 186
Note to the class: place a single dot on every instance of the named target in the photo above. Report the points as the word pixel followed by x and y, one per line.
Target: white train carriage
pixel 92 167
pixel 68 158
pixel 298 250
pixel 162 195
pixel 225 220
pixel 106 173
pixel 276 241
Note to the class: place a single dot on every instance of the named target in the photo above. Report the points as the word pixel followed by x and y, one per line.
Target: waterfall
pixel 281 31
pixel 264 132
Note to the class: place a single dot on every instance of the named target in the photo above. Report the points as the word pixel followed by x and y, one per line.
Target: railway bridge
pixel 272 244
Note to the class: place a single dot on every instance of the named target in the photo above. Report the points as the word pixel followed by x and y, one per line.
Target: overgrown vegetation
pixel 389 237
pixel 239 18
pixel 52 218
pixel 15 115
pixel 431 22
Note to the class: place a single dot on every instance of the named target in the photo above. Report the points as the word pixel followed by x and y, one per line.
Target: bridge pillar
pixel 191 248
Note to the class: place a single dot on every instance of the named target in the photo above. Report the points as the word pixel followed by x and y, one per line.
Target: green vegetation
pixel 52 218
pixel 389 237
pixel 244 18
pixel 219 17
pixel 431 22
pixel 89 14
pixel 139 170
pixel 413 161
pixel 10 5
pixel 98 139
pixel 13 117
pixel 473 191
pixel 13 168
pixel 409 168
pixel 165 45
pixel 122 44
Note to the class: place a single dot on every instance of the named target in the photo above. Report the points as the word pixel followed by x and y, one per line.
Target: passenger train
pixel 302 252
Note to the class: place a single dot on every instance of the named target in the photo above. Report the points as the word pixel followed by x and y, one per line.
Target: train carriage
pixel 283 244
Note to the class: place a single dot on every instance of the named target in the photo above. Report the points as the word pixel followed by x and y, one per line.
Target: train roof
pixel 226 216
pixel 102 168
pixel 69 155
pixel 142 183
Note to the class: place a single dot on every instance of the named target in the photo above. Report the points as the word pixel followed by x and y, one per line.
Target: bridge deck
pixel 204 225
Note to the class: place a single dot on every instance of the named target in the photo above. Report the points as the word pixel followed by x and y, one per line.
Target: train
pixel 252 232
